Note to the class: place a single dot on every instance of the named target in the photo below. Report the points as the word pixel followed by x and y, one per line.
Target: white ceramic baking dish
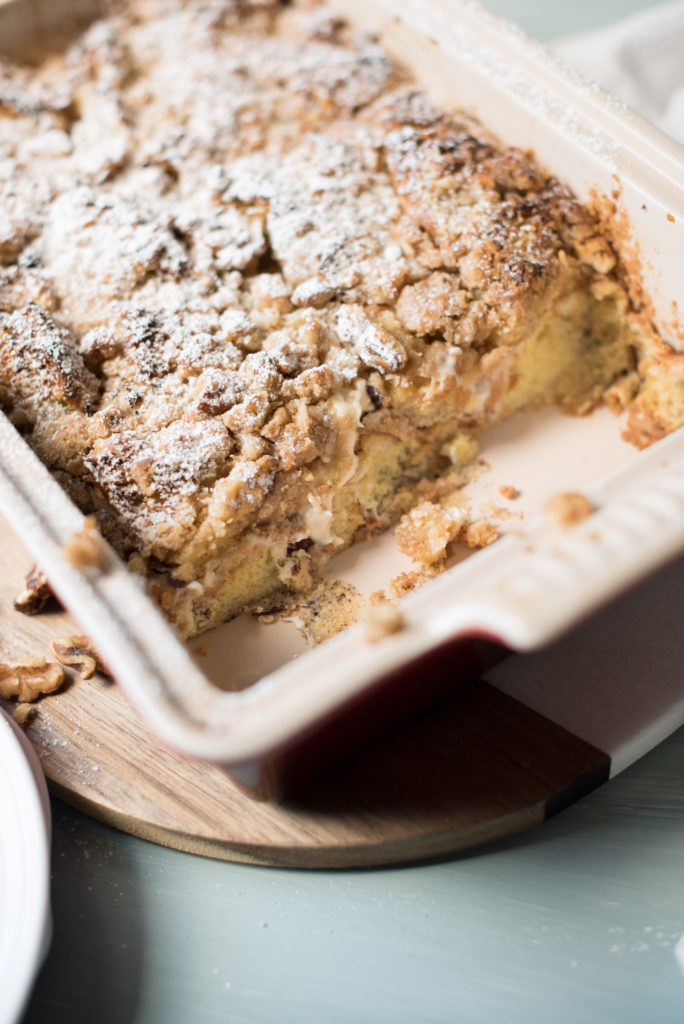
pixel 522 592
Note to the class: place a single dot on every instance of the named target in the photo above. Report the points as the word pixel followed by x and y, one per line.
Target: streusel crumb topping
pixel 232 233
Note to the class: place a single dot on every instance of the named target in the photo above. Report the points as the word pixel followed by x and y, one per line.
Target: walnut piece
pixel 77 652
pixel 86 549
pixel 23 713
pixel 28 680
pixel 568 509
pixel 35 595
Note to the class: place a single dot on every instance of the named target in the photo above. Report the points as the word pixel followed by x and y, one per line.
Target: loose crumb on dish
pixel 509 492
pixel 329 607
pixel 28 680
pixel 426 531
pixel 406 582
pixel 642 430
pixel 568 509
pixel 382 620
pixel 86 549
pixel 500 512
pixel 480 534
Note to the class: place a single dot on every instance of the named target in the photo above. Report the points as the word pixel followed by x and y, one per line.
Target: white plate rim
pixel 25 923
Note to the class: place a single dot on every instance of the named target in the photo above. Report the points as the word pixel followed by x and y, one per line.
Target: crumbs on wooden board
pixel 27 680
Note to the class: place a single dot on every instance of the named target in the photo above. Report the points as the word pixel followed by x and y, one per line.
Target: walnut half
pixel 28 680
pixel 76 652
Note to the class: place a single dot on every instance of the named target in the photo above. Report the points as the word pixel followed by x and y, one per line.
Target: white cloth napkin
pixel 640 60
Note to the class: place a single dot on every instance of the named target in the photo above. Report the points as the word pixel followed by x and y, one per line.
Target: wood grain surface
pixel 479 767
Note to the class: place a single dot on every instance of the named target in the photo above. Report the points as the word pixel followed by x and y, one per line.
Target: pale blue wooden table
pixel 574 921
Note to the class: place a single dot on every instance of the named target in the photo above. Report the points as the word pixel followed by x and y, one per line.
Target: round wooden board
pixel 480 767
